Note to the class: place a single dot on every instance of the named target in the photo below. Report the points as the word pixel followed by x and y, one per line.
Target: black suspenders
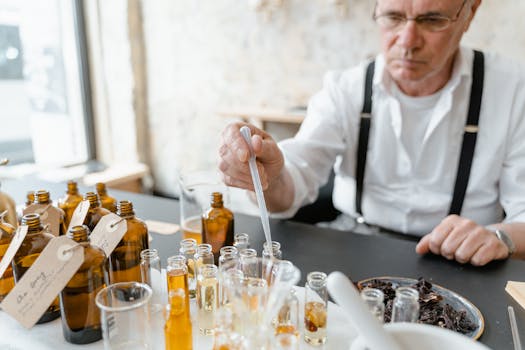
pixel 467 147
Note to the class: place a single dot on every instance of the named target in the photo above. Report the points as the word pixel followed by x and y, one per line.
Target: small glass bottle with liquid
pixel 217 224
pixel 203 256
pixel 7 232
pixel 188 249
pixel 124 261
pixel 405 307
pixel 177 276
pixel 95 212
pixel 315 308
pixel 69 202
pixel 33 244
pixel 207 298
pixel 288 317
pixel 178 328
pixel 80 314
pixel 107 201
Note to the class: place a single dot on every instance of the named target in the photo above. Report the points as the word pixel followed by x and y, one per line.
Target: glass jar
pixel 276 250
pixel 188 249
pixel 207 298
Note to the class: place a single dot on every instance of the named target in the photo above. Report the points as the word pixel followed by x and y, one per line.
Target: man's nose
pixel 409 35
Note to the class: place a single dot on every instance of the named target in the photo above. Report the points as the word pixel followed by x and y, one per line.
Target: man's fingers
pixel 437 237
pixel 422 247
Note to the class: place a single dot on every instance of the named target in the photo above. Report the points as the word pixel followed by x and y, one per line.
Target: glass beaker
pixel 125 315
pixel 195 189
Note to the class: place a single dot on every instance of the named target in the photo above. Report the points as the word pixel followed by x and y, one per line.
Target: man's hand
pixel 463 240
pixel 234 155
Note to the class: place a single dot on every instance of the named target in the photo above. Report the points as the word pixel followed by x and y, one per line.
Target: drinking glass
pixel 125 315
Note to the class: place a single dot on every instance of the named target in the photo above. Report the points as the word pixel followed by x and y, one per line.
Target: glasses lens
pixel 390 21
pixel 433 23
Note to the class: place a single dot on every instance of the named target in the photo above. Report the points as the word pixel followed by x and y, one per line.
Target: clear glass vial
pixel 374 298
pixel 315 308
pixel 405 307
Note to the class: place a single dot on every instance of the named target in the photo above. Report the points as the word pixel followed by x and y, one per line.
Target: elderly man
pixel 426 140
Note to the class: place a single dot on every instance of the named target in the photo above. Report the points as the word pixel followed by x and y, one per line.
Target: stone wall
pixel 207 55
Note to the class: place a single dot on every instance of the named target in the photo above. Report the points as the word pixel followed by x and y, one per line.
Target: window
pixel 43 83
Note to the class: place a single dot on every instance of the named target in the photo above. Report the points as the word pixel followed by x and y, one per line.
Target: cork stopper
pixel 42 197
pixel 72 187
pixel 94 201
pixel 125 209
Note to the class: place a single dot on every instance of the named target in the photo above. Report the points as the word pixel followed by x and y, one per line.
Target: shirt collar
pixel 462 69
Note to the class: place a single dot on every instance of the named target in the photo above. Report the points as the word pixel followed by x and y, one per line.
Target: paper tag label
pixel 16 242
pixel 108 232
pixel 48 215
pixel 40 285
pixel 79 215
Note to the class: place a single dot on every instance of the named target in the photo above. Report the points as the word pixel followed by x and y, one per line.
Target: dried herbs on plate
pixel 432 309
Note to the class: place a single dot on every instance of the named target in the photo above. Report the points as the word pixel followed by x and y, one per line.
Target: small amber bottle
pixel 34 243
pixel 95 212
pixel 43 197
pixel 217 225
pixel 7 232
pixel 124 261
pixel 80 314
pixel 107 201
pixel 69 202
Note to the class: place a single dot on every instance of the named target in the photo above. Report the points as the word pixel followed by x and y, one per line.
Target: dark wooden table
pixel 315 249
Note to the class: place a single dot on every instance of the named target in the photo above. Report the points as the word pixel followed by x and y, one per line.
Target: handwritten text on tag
pixel 40 285
pixel 13 248
pixel 108 232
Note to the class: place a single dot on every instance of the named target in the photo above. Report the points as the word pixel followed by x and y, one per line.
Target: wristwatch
pixel 505 238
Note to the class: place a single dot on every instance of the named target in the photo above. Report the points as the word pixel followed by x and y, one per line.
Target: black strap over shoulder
pixel 470 134
pixel 467 148
pixel 364 131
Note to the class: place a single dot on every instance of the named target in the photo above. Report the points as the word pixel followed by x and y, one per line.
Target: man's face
pixel 414 54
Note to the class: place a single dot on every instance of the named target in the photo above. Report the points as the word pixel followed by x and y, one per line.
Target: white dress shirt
pixel 411 190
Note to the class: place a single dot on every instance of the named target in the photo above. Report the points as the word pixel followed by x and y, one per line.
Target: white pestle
pixel 247 135
pixel 346 295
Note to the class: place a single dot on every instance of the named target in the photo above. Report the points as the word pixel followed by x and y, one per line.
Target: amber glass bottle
pixel 42 197
pixel 33 244
pixel 80 314
pixel 124 261
pixel 217 225
pixel 96 212
pixel 69 202
pixel 7 232
pixel 107 201
pixel 177 331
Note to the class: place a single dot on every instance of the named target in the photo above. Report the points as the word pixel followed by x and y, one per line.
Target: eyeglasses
pixel 430 22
